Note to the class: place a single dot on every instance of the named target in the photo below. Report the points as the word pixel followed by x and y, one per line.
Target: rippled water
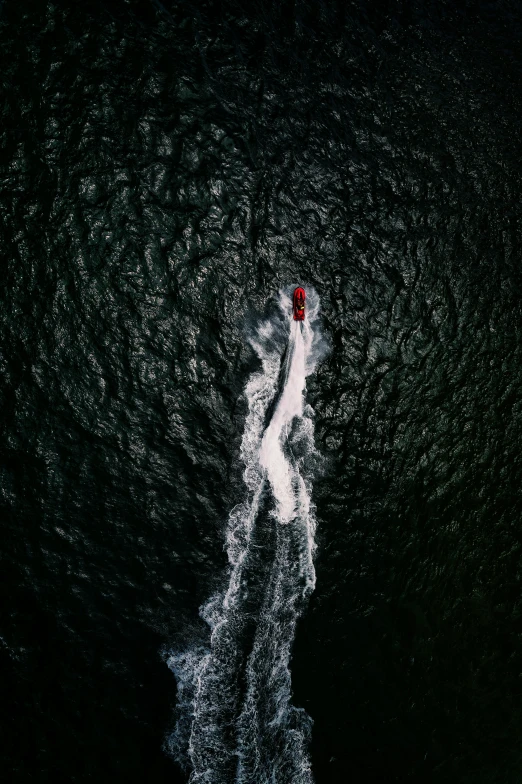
pixel 167 169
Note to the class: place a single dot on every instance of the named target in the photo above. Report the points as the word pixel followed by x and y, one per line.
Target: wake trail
pixel 235 718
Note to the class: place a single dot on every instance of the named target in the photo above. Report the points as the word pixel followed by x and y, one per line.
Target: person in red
pixel 299 304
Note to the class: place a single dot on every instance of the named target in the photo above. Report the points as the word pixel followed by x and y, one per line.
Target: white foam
pixel 255 735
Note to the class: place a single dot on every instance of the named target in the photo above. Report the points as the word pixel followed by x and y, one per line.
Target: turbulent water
pixel 235 711
pixel 329 558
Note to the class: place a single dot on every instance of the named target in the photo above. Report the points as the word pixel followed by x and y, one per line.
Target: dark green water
pixel 165 170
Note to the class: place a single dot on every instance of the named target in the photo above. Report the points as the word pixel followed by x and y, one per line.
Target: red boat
pixel 299 304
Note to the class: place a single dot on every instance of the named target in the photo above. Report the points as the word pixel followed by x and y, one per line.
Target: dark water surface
pixel 165 170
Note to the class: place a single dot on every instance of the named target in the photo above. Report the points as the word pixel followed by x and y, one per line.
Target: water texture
pixel 166 168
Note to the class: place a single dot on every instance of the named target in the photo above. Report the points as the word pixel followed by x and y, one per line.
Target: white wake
pixel 235 721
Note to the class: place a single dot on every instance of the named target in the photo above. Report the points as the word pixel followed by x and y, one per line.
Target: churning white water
pixel 235 721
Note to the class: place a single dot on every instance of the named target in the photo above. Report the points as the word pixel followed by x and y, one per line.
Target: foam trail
pixel 273 735
pixel 235 719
